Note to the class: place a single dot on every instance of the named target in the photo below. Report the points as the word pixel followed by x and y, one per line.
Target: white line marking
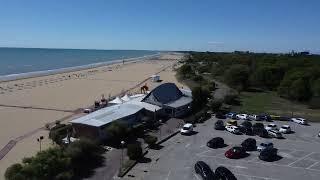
pixel 312 165
pixel 188 145
pixel 202 146
pixel 300 159
pixel 267 163
pixel 250 176
pixel 240 167
pixel 196 176
pixel 198 154
pixel 168 175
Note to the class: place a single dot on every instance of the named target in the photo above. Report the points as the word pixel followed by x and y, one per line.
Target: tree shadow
pixel 156 147
pixel 144 160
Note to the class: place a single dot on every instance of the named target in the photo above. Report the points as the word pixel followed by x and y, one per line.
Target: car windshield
pixel 284 127
pixel 186 128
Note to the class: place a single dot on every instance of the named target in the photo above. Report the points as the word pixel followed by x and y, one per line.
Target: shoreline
pixel 20 76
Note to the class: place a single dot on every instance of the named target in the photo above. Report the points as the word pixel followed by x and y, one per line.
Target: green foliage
pixel 134 151
pixel 84 154
pixel 231 99
pixel 237 76
pixel 314 103
pixel 215 105
pixel 117 131
pixel 58 163
pixel 151 140
pixel 257 70
pixel 48 164
pixel 185 71
pixel 300 90
pixel 58 132
pixel 200 98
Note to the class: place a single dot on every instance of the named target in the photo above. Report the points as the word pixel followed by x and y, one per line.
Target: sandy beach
pixel 27 105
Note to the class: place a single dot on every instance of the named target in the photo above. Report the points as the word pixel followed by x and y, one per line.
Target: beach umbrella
pixel 126 98
pixel 117 100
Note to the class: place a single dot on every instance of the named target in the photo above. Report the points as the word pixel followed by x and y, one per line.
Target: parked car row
pixel 266 149
pixel 246 127
pixel 204 170
pixel 261 117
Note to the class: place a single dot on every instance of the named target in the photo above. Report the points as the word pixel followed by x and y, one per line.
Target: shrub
pixel 59 132
pixel 314 103
pixel 215 105
pixel 150 140
pixel 191 119
pixel 231 99
pixel 134 151
pixel 199 98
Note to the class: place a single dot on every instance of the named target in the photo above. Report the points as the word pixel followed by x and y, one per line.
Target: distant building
pixel 93 125
pixel 171 99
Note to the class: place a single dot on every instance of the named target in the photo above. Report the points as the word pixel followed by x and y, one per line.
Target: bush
pixel 191 119
pixel 14 172
pixel 314 103
pixel 59 132
pixel 134 151
pixel 150 140
pixel 117 131
pixel 231 99
pixel 199 98
pixel 215 105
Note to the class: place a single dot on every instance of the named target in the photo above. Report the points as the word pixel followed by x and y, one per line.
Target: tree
pixel 85 155
pixel 300 90
pixel 237 76
pixel 215 105
pixel 117 131
pixel 134 151
pixel 185 71
pixel 199 98
pixel 47 164
pixel 150 140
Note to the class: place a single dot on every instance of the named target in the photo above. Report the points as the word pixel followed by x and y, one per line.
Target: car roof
pixel 187 125
pixel 285 125
pixel 232 121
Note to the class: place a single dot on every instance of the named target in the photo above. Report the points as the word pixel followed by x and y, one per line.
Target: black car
pixel 269 154
pixel 220 115
pixel 246 128
pixel 204 171
pixel 219 125
pixel 224 173
pixel 249 144
pixel 264 117
pixel 262 133
pixel 216 142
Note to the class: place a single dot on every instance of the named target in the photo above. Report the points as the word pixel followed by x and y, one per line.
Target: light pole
pixel 121 159
pixel 160 121
pixel 39 140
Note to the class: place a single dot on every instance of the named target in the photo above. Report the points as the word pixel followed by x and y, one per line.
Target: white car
pixel 263 146
pixel 186 129
pixel 242 116
pixel 285 129
pixel 271 127
pixel 299 121
pixel 253 117
pixel 233 129
pixel 275 133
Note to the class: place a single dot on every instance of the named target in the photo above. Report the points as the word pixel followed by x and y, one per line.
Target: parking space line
pixel 168 175
pixel 188 145
pixel 196 176
pixel 198 154
pixel 266 163
pixel 250 176
pixel 312 165
pixel 300 159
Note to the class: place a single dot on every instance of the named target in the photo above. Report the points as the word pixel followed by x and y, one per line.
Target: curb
pixel 127 170
pixel 168 137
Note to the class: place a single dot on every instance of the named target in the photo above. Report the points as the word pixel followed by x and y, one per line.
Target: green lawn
pixel 270 102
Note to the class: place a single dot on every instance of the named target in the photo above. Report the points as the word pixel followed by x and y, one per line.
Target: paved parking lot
pixel 300 154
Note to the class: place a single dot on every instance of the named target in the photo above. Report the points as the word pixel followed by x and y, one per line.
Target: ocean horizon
pixel 16 61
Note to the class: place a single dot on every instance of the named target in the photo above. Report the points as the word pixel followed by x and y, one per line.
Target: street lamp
pixel 121 160
pixel 160 121
pixel 39 140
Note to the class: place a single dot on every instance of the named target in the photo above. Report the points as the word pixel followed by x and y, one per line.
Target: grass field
pixel 270 102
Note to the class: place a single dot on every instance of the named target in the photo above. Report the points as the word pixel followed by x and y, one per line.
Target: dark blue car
pixel 231 115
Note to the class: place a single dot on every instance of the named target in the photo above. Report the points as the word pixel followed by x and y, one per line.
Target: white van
pixel 186 129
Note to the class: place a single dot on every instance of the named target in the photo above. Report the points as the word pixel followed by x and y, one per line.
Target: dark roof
pixel 164 94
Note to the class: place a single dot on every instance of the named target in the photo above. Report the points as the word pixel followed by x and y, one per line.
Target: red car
pixel 235 153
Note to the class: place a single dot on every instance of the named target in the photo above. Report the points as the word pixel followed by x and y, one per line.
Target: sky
pixel 202 25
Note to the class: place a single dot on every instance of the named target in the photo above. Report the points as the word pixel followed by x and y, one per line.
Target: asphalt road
pixel 300 154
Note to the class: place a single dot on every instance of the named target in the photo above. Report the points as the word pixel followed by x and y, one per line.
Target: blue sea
pixel 26 60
